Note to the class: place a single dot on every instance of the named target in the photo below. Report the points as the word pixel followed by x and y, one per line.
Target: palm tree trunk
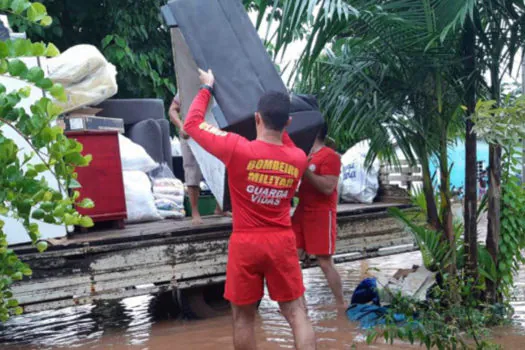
pixel 471 205
pixel 494 202
pixel 446 206
pixel 428 190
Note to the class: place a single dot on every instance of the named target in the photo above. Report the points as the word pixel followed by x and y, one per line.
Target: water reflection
pixel 136 323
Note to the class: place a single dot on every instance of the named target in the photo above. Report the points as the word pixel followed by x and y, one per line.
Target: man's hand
pixel 206 78
pixel 183 134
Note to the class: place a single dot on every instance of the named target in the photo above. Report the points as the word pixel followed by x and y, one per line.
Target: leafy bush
pixel 24 194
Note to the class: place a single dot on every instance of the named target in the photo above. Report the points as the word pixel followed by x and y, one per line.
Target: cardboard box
pixel 85 119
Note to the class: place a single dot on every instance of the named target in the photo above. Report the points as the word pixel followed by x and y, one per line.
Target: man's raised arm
pixel 217 142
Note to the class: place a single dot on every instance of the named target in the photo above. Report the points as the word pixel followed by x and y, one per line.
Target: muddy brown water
pixel 131 324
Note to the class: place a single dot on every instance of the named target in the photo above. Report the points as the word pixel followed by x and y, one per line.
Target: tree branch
pixel 35 150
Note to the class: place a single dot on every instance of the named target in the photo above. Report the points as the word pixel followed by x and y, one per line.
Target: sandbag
pixel 140 204
pixel 88 78
pixel 134 156
pixel 359 184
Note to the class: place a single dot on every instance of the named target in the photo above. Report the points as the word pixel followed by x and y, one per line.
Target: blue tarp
pixel 368 315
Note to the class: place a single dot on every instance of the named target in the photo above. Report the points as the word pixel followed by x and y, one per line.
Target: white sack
pixel 134 156
pixel 88 78
pixel 357 183
pixel 140 203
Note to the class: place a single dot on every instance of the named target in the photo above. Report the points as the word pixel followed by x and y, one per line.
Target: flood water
pixel 131 323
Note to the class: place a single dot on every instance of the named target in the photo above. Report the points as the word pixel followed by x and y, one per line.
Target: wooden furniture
pixel 102 180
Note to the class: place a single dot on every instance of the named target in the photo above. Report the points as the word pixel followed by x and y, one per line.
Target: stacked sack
pixel 88 78
pixel 168 192
pixel 136 163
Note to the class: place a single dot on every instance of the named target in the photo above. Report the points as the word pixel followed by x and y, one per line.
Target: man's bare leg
pixel 243 326
pixel 334 280
pixel 193 193
pixel 303 332
pixel 301 254
pixel 220 212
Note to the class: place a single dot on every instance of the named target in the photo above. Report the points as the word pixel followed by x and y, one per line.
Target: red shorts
pixel 315 231
pixel 255 256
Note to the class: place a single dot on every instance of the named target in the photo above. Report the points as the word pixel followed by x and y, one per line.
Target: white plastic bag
pixel 358 184
pixel 134 157
pixel 140 203
pixel 88 78
pixel 175 147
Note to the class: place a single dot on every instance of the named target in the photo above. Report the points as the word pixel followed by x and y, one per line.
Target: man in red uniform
pixel 314 221
pixel 262 177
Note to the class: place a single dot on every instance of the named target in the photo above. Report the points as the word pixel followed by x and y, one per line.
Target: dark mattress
pixel 220 36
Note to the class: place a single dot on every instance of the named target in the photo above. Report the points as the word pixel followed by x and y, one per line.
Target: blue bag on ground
pixel 366 292
pixel 368 315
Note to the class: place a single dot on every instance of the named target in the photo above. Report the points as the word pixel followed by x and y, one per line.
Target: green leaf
pixel 18 311
pixel 86 203
pixel 57 91
pixel 41 246
pixel 75 184
pixel 4 66
pixel 35 74
pixel 86 221
pixel 107 39
pixel 59 210
pixel 52 51
pixel 19 6
pixel 45 83
pixel 24 207
pixel 36 12
pixel 69 219
pixel 53 110
pixel 22 47
pixel 17 276
pixel 47 21
pixel 25 91
pixel 38 214
pixel 4 50
pixel 121 42
pixel 16 67
pixel 47 206
pixel 38 49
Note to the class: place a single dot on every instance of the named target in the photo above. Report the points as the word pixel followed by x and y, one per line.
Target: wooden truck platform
pixel 167 256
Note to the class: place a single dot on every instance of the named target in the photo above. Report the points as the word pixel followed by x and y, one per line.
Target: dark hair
pixel 274 108
pixel 323 132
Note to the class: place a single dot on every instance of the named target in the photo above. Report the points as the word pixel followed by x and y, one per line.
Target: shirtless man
pixel 314 221
pixel 262 178
pixel 192 171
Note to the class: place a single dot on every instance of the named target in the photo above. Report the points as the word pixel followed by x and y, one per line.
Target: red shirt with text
pixel 262 177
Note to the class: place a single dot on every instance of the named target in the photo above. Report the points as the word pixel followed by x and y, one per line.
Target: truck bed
pixel 161 256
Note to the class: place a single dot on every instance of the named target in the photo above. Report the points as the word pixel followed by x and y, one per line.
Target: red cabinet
pixel 102 180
